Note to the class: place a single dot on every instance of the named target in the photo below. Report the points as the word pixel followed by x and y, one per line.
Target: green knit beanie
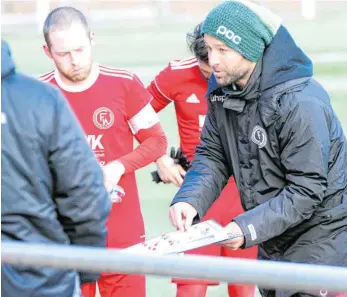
pixel 243 26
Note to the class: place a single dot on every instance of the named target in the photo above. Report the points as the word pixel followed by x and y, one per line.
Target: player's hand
pixel 169 172
pixel 113 171
pixel 182 215
pixel 234 244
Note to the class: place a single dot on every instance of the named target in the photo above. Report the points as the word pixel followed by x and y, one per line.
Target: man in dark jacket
pixel 51 184
pixel 271 125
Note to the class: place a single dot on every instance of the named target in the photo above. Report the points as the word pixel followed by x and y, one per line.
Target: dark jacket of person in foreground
pixel 51 183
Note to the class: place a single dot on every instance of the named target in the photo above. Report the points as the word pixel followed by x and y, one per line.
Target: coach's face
pixel 228 65
pixel 71 50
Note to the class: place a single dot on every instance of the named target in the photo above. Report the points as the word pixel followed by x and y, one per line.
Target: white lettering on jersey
pixel 144 119
pixel 95 142
pixel 3 118
pixel 201 121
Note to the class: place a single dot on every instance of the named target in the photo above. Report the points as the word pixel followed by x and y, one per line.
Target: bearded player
pixel 184 83
pixel 112 106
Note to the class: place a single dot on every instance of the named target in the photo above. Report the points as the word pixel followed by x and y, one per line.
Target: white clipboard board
pixel 177 242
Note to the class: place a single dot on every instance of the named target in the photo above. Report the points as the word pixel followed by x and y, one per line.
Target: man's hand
pixel 233 228
pixel 113 171
pixel 169 172
pixel 182 215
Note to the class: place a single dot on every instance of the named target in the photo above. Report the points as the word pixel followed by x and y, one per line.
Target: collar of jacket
pixel 236 99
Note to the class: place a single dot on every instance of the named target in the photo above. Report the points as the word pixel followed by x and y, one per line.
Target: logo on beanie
pixel 224 31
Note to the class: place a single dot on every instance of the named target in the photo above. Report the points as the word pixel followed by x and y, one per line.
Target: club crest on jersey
pixel 103 118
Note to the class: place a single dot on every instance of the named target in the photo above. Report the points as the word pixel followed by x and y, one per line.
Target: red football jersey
pixel 182 82
pixel 107 106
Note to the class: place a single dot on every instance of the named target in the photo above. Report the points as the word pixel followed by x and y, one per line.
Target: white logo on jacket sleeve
pixel 252 232
pixel 144 119
pixel 259 136
pixel 103 118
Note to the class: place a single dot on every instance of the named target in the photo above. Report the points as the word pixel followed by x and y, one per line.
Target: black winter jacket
pixel 281 140
pixel 51 183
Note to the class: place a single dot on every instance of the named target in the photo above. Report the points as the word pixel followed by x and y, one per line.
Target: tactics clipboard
pixel 177 242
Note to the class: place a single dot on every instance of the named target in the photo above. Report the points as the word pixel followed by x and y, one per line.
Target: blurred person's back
pixel 51 183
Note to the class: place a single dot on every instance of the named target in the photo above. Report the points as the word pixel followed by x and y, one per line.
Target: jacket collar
pixel 235 99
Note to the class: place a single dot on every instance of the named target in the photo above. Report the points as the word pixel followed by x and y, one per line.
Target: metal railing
pixel 267 274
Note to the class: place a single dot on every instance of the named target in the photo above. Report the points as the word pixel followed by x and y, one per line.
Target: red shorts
pixel 225 208
pixel 121 235
pixel 117 285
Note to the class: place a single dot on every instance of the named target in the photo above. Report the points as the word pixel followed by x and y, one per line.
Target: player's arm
pixel 161 90
pixel 149 133
pixel 169 170
pixel 159 100
pixel 145 126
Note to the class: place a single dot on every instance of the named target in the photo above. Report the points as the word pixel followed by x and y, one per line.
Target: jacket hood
pixel 282 61
pixel 7 64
